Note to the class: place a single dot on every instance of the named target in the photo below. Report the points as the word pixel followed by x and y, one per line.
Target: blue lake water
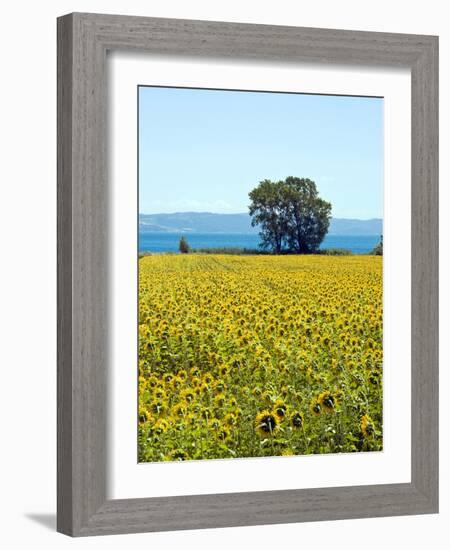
pixel 168 242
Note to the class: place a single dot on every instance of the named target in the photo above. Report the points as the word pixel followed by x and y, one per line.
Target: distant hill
pixel 196 222
pixel 344 226
pixel 207 222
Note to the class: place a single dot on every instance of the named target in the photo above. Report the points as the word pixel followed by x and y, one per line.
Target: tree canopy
pixel 291 215
pixel 183 246
pixel 378 250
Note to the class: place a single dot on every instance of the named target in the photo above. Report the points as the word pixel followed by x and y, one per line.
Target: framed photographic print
pixel 247 274
pixel 250 343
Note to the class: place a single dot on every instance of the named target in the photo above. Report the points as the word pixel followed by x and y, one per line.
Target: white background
pixel 127 479
pixel 27 287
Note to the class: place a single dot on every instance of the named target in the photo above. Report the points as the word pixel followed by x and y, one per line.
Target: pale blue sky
pixel 204 150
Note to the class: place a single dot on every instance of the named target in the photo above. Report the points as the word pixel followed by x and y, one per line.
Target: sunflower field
pixel 247 356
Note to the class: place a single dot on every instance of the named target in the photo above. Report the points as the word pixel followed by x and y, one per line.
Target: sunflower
pixel 233 402
pixel 194 371
pixel 191 418
pixel 187 395
pixel 326 341
pixel 266 423
pixel 367 426
pixel 297 420
pixel 280 409
pixel 168 377
pixel 152 382
pixel 315 407
pixel 177 383
pixel 223 433
pixel 219 399
pixel 302 350
pixel 230 419
pixel 256 391
pixel 176 454
pixel 180 409
pixel 328 401
pixel 224 370
pixel 218 386
pixel 143 416
pixel 157 407
pixel 161 426
pixel 159 394
pixel 214 423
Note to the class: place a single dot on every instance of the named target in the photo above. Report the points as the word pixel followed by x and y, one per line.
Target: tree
pixel 308 215
pixel 378 250
pixel 267 209
pixel 183 246
pixel 290 214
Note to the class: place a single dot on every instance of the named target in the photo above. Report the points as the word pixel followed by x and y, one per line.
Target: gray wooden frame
pixel 83 40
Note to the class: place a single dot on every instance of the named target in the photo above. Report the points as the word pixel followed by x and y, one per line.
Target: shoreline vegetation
pixel 237 251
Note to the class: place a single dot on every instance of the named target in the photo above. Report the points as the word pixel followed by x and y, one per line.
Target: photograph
pixel 260 274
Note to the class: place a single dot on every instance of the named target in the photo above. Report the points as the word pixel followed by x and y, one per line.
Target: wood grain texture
pixel 64 274
pixel 83 243
pixel 425 272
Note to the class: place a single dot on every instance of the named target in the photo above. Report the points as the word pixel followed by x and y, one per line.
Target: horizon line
pixel 241 213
